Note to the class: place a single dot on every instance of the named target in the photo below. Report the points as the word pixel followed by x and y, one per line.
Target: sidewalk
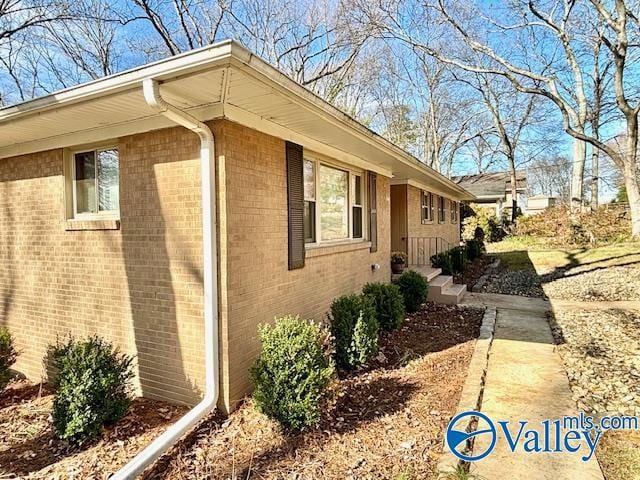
pixel 525 381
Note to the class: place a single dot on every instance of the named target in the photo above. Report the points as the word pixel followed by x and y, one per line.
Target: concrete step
pixel 428 272
pixel 440 282
pixel 443 290
pixel 454 294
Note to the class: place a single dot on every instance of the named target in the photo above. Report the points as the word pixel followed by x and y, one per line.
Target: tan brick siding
pixel 139 286
pixel 448 230
pixel 260 286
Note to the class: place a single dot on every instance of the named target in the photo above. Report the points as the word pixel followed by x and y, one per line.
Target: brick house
pixel 106 227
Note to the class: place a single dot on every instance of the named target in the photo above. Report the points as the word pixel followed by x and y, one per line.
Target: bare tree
pixel 563 18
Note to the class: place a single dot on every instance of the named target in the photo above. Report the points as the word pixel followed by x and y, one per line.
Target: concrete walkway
pixel 525 380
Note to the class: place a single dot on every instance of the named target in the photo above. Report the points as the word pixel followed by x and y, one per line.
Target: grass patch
pixel 519 253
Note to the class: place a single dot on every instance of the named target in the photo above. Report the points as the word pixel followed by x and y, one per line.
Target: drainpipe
pixel 207 161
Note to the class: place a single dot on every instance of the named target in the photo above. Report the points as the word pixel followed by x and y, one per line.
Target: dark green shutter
pixel 373 211
pixel 295 204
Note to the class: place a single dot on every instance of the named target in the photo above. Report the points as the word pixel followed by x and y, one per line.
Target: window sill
pixel 321 249
pixel 427 222
pixel 81 225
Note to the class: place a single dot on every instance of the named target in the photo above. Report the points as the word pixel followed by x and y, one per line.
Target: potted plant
pixel 398 261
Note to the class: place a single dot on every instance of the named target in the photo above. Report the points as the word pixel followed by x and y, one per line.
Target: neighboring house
pixel 493 190
pixel 539 203
pixel 113 222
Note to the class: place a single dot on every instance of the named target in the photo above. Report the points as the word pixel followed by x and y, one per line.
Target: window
pixel 454 211
pixel 427 207
pixel 441 215
pixel 334 203
pixel 309 201
pixel 356 209
pixel 95 176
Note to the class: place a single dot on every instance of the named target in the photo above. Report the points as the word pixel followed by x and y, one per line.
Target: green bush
pixel 389 304
pixel 484 219
pixel 355 330
pixel 413 287
pixel 292 373
pixel 458 258
pixel 8 356
pixel 92 387
pixel 443 261
pixel 474 249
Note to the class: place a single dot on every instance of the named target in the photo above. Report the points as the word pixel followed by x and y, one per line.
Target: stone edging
pixel 473 389
pixel 482 281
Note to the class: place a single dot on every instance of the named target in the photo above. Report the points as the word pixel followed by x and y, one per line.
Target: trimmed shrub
pixel 355 330
pixel 474 249
pixel 388 302
pixel 413 287
pixel 444 261
pixel 292 373
pixel 92 387
pixel 8 357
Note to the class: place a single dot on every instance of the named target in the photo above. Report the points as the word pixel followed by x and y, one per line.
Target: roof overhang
pixel 223 80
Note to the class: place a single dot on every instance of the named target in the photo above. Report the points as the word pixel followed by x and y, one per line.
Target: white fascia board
pixel 110 132
pixel 251 120
pixel 187 63
pixel 261 71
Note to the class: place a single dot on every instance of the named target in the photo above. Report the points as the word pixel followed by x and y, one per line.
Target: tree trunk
pixel 633 193
pixel 577 176
pixel 595 158
pixel 514 193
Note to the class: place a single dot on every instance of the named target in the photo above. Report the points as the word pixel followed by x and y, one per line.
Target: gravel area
pixel 515 282
pixel 601 353
pixel 593 285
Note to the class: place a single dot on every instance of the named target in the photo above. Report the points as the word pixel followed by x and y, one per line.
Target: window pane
pixel 309 222
pixel 357 190
pixel 334 210
pixel 309 180
pixel 357 222
pixel 85 182
pixel 108 184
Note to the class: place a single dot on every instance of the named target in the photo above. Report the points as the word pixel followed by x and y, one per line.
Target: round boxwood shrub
pixel 355 329
pixel 93 388
pixel 413 287
pixel 292 373
pixel 8 356
pixel 388 302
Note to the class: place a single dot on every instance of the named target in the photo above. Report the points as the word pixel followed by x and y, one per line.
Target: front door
pixel 399 218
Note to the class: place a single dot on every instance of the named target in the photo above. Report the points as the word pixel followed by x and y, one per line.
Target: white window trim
pixel 350 198
pixel 429 207
pixel 70 184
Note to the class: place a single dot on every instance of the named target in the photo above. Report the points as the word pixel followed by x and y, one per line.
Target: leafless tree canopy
pixel 463 85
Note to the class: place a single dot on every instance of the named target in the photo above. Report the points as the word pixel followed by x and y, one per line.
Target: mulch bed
pixel 29 448
pixel 473 271
pixel 382 422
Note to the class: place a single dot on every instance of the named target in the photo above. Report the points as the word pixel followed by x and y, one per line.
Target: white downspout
pixel 207 167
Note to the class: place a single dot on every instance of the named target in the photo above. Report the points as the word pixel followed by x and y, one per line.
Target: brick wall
pixel 448 230
pixel 139 286
pixel 260 286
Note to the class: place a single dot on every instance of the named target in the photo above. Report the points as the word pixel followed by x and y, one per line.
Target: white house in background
pixel 539 203
pixel 493 190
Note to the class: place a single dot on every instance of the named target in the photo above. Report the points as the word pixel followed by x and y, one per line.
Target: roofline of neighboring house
pixel 224 52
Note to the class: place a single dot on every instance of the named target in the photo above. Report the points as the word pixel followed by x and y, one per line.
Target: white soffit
pixel 223 80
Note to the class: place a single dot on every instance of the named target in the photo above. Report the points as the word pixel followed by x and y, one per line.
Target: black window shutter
pixel 373 211
pixel 295 204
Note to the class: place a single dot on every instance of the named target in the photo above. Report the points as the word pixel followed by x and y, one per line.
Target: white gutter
pixel 207 168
